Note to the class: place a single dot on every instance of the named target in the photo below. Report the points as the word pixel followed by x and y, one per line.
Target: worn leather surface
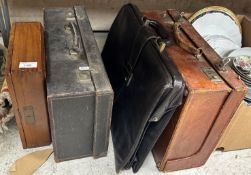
pixel 78 90
pixel 209 105
pixel 147 87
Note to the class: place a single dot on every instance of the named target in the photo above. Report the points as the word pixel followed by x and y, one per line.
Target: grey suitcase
pixel 78 90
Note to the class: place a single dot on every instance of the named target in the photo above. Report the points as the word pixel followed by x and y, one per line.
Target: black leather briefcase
pixel 147 86
pixel 79 94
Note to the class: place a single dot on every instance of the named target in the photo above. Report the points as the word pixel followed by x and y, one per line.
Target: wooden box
pixel 25 75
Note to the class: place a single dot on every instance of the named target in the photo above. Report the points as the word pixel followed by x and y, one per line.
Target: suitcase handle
pixel 179 38
pixel 76 42
pixel 197 52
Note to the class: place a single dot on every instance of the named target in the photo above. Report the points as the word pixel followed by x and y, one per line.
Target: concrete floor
pixel 235 162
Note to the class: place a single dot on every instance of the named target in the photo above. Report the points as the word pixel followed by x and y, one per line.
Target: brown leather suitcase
pixel 25 75
pixel 214 92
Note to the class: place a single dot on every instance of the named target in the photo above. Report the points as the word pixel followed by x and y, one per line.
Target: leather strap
pixel 135 55
pixel 162 37
pixel 130 69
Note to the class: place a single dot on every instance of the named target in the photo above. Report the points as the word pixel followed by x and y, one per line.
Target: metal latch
pixel 211 74
pixel 29 114
pixel 166 18
pixel 83 76
pixel 180 17
pixel 70 16
pixel 223 63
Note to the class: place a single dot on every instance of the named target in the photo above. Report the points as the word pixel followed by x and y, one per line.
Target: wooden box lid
pixel 26 48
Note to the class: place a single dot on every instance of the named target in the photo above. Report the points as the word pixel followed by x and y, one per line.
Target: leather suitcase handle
pixel 160 30
pixel 76 42
pixel 76 49
pixel 197 52
pixel 179 18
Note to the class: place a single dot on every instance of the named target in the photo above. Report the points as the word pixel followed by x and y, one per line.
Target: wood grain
pixel 27 86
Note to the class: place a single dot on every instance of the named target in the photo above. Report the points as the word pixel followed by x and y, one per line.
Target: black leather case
pixel 147 86
pixel 79 93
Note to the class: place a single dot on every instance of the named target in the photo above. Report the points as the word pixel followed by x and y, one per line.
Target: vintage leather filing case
pixel 25 75
pixel 79 95
pixel 147 86
pixel 213 93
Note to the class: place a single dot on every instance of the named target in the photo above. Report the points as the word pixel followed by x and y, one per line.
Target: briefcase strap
pixel 130 69
pixel 161 40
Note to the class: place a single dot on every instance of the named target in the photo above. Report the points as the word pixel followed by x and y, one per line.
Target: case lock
pixel 211 74
pixel 223 63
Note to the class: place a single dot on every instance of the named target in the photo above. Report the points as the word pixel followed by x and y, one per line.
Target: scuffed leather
pixel 79 101
pixel 147 86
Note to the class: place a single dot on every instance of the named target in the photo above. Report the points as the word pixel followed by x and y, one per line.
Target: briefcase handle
pixel 159 29
pixel 161 39
pixel 164 39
